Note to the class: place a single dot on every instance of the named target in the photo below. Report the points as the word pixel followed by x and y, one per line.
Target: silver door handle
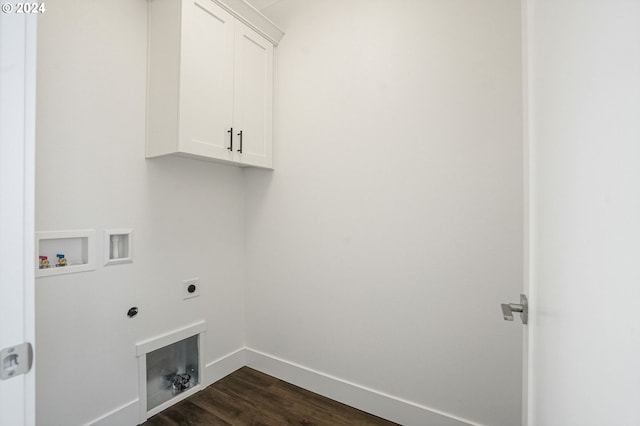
pixel 523 308
pixel 15 360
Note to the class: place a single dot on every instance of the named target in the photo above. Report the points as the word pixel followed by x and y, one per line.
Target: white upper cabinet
pixel 206 80
pixel 253 97
pixel 210 84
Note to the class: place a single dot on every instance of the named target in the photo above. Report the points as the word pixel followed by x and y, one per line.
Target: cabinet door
pixel 253 95
pixel 206 80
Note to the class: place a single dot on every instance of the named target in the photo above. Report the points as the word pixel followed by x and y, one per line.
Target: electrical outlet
pixel 191 288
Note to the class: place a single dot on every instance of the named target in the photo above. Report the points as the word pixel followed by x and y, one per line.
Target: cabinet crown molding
pixel 252 18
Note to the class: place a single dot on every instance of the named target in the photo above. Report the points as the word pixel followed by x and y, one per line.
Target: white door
pixel 17 159
pixel 584 118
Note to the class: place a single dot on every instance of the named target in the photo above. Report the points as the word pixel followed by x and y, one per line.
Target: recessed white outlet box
pixel 191 288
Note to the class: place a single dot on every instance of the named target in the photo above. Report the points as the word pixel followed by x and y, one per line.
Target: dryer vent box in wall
pixel 170 368
pixel 118 246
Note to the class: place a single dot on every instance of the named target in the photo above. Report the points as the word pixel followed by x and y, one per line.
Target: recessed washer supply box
pixel 77 248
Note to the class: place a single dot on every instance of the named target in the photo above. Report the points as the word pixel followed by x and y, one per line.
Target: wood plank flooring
pixel 249 397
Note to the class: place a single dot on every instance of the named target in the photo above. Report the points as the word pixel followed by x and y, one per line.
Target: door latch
pixel 523 308
pixel 15 360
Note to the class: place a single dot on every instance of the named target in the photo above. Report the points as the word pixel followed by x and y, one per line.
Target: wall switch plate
pixel 191 288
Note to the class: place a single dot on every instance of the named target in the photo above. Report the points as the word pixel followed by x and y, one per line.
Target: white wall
pixel 380 248
pixel 585 162
pixel 91 173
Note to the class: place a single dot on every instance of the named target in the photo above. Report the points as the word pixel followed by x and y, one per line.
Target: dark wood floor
pixel 249 397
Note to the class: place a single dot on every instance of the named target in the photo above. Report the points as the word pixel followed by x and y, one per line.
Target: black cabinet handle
pixel 240 134
pixel 230 147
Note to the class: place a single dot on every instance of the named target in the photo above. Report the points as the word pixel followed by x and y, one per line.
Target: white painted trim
pixel 118 416
pixel 142 389
pixel 253 18
pixel 31 35
pixel 525 36
pixel 181 396
pixel 372 401
pixel 157 342
pixel 214 371
pixel 223 366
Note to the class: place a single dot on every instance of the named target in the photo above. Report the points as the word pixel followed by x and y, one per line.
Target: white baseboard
pixel 126 414
pixel 129 414
pixel 223 366
pixel 378 403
